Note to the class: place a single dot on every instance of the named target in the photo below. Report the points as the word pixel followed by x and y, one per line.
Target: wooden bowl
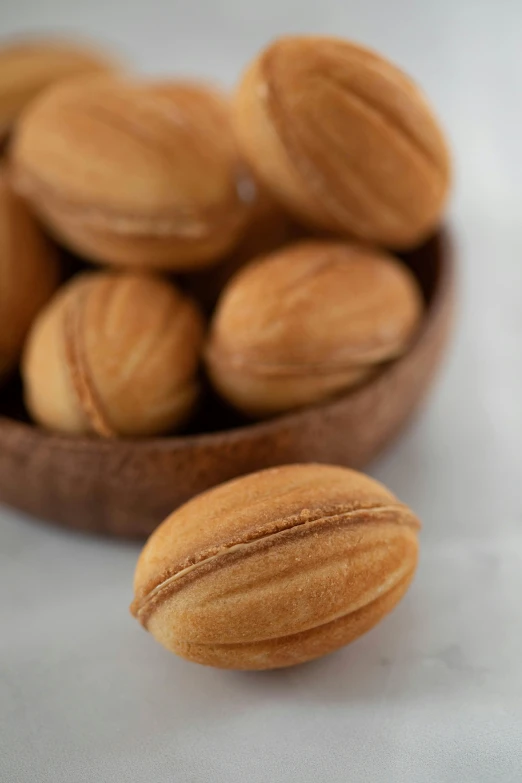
pixel 126 487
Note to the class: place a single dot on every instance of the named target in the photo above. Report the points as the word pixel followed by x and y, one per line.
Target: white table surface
pixel 435 692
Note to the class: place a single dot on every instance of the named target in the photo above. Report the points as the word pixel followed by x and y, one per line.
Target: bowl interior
pixel 213 414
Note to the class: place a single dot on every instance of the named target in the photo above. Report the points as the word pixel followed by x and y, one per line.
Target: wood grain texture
pixel 127 487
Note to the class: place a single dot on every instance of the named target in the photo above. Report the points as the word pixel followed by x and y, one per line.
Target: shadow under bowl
pixel 127 487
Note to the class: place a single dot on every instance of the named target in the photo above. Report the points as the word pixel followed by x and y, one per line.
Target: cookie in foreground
pixel 276 568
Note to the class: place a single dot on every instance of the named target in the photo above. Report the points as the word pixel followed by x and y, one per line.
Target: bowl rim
pixel 88 443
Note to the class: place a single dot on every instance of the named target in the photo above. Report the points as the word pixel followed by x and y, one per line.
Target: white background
pixel 435 692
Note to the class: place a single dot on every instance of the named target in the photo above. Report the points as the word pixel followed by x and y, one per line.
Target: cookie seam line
pixel 225 550
pixel 200 223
